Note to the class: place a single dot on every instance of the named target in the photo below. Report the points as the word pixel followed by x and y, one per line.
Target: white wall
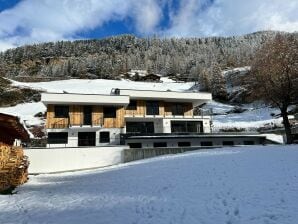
pixel 68 159
pixel 73 136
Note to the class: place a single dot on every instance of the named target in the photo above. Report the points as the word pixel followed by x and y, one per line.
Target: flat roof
pixel 197 98
pixel 84 99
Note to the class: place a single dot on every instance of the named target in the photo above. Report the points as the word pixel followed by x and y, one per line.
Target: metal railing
pixel 197 113
pixel 66 123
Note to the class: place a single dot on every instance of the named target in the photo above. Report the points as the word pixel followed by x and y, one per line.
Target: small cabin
pixel 12 130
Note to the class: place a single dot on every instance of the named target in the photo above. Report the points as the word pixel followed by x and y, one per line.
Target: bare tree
pixel 275 75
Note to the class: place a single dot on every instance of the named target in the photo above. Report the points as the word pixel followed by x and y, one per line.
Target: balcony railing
pixel 66 123
pixel 198 113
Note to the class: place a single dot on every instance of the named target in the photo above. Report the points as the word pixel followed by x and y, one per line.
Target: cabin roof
pixel 11 128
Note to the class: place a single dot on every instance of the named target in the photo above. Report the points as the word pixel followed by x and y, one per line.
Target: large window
pixel 109 112
pixel 57 138
pixel 152 108
pixel 186 126
pixel 177 109
pixel 104 137
pixel 139 127
pixel 132 105
pixel 61 111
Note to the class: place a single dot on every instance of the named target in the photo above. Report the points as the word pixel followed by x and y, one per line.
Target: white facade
pixel 73 133
pixel 84 99
pixel 122 97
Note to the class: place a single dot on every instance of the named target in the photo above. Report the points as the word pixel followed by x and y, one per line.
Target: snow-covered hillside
pixel 250 120
pixel 103 86
pixel 250 185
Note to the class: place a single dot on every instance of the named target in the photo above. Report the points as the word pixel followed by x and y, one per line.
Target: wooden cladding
pixel 76 114
pixel 76 117
pixel 165 109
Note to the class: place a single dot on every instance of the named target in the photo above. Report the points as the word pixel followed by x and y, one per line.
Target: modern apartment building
pixel 75 120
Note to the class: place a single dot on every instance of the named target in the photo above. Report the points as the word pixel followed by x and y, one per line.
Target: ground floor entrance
pixel 86 138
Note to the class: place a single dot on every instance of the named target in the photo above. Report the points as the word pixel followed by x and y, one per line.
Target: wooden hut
pixel 11 128
pixel 13 163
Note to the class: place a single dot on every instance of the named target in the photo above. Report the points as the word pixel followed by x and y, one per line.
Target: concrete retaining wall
pixel 53 160
pixel 143 153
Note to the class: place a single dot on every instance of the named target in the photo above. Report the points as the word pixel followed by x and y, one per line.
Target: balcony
pixel 67 123
pixel 199 114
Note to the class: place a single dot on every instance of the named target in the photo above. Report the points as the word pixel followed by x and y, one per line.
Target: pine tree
pixel 218 83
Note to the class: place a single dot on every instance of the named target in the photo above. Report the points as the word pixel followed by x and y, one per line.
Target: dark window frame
pixel 140 127
pixel 54 138
pixel 109 112
pixel 160 144
pixel 104 139
pixel 228 143
pixel 178 109
pixel 184 144
pixel 152 108
pixel 134 145
pixel 186 126
pixel 206 143
pixel 61 111
pixel 132 105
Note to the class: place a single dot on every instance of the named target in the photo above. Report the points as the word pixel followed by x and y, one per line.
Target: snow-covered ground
pixel 249 120
pixel 26 112
pixel 103 86
pixel 251 185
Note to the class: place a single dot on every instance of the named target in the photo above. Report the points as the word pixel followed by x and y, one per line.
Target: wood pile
pixel 13 167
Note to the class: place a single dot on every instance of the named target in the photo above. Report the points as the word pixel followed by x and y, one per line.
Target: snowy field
pixel 249 185
pixel 250 120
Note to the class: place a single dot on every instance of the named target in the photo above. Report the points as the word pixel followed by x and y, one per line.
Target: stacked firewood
pixel 13 167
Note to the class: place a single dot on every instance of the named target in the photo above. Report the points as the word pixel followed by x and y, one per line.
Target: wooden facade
pixel 76 115
pixel 165 109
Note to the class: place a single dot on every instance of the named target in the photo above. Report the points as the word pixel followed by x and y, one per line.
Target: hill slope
pixel 107 58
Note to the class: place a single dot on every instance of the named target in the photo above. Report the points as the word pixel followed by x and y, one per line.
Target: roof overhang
pixel 12 128
pixel 84 99
pixel 197 98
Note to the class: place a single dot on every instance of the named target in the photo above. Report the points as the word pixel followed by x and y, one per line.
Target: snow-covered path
pixel 233 185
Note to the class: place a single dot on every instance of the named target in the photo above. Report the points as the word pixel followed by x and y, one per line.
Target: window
pixel 135 145
pixel 61 111
pixel 86 138
pixel 206 143
pixel 184 144
pixel 104 137
pixel 178 109
pixel 57 138
pixel 152 108
pixel 132 105
pixel 139 127
pixel 227 143
pixel 159 144
pixel 109 112
pixel 186 126
pixel 248 142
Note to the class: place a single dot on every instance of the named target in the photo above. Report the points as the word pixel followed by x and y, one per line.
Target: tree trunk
pixel 287 125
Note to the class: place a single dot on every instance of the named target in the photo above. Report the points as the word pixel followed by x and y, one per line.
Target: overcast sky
pixel 33 21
